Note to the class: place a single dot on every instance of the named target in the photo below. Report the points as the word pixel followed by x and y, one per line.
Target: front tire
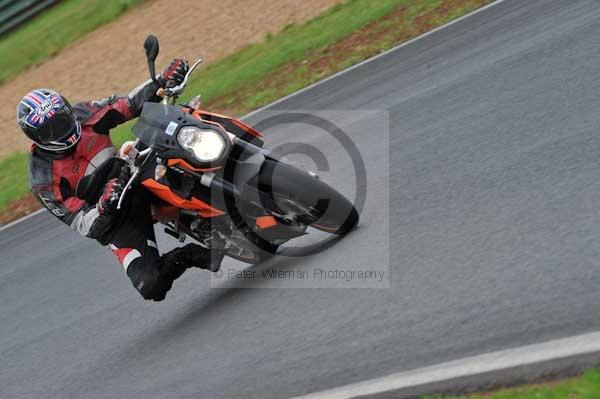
pixel 319 205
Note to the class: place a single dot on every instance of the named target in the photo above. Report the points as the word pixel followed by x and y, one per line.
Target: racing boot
pixel 194 255
pixel 154 282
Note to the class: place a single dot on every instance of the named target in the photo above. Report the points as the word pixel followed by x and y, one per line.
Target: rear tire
pixel 327 209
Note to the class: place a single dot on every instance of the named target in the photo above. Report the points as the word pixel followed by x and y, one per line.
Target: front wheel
pixel 307 199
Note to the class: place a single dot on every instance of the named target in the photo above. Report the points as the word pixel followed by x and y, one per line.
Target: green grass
pixel 251 68
pixel 585 387
pixel 254 62
pixel 51 31
pixel 13 178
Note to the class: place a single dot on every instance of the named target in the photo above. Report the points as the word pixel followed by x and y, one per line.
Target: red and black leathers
pixel 70 185
pixel 55 178
pixel 134 243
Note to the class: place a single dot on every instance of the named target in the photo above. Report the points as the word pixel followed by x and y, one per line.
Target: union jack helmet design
pixel 47 119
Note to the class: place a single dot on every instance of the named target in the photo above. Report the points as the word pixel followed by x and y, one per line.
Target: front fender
pixel 247 161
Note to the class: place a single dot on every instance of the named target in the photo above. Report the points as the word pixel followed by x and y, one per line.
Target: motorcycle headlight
pixel 207 145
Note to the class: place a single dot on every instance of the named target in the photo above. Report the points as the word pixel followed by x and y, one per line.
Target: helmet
pixel 47 119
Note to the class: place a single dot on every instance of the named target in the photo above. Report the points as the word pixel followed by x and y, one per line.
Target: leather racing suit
pixel 70 184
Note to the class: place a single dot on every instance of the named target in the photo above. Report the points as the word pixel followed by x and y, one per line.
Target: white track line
pixel 391 50
pixel 6 226
pixel 330 78
pixel 470 366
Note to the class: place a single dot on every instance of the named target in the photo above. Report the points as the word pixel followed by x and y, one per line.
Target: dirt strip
pixel 111 59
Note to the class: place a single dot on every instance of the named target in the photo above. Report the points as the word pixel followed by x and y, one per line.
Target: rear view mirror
pixel 151 47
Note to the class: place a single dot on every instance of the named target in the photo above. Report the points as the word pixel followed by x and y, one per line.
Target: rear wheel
pixel 298 194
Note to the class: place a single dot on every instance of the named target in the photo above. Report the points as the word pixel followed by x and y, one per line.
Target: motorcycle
pixel 213 181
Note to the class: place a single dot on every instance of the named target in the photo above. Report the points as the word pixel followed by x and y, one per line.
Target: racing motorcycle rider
pixel 74 173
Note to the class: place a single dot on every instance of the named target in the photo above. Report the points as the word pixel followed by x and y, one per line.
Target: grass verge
pixel 13 176
pixel 584 387
pixel 61 25
pixel 294 58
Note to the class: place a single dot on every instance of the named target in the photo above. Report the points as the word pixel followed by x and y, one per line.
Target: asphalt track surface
pixel 494 193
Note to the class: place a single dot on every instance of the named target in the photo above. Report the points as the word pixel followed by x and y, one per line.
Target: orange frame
pixel 183 164
pixel 164 192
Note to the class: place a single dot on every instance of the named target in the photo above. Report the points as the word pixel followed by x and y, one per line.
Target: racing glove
pixel 174 74
pixel 107 205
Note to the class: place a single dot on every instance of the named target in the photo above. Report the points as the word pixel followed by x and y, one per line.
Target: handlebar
pixel 151 47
